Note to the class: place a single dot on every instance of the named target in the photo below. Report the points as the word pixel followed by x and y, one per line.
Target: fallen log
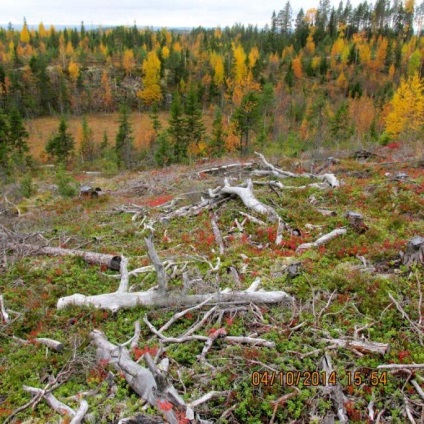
pixel 230 167
pixel 58 406
pixel 361 346
pixel 116 301
pixel 322 240
pixel 111 261
pixel 149 383
pixel 250 201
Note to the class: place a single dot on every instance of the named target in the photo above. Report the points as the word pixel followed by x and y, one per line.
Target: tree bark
pixel 116 301
pixel 250 201
pixel 111 261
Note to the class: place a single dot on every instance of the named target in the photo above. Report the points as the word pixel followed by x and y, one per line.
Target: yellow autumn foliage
pixel 407 107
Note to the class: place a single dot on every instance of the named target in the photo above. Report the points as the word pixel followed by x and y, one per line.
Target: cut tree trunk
pixel 414 252
pixel 111 261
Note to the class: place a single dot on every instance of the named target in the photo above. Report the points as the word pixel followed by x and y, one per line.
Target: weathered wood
pixel 217 235
pixel 250 201
pixel 4 314
pixel 117 301
pixel 361 346
pixel 230 167
pixel 56 404
pixel 322 240
pixel 356 220
pixel 162 277
pixel 149 383
pixel 111 261
pixel 414 252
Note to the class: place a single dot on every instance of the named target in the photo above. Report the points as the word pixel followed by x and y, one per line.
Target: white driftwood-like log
pixel 330 179
pixel 149 383
pixel 230 167
pixel 400 366
pixel 125 278
pixel 250 201
pixel 117 301
pixel 111 261
pixel 361 346
pixel 336 391
pixel 4 314
pixel 274 170
pixel 162 277
pixel 322 240
pixel 79 415
pixel 50 343
pixel 217 235
pixel 56 404
pixel 326 212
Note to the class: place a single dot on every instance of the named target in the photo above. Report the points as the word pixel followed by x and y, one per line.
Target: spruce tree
pixel 177 129
pixel 87 143
pixel 124 141
pixel 4 146
pixel 193 121
pixel 218 135
pixel 61 145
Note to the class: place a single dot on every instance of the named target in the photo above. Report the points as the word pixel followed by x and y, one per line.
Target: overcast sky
pixel 168 13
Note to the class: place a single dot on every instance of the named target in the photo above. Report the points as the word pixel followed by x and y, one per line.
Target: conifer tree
pixel 61 145
pixel 193 121
pixel 87 143
pixel 218 135
pixel 124 141
pixel 177 130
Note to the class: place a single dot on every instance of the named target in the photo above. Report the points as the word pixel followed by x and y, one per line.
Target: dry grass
pixel 40 129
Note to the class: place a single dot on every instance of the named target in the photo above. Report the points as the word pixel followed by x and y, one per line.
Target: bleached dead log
pixel 136 338
pixel 125 278
pixel 230 167
pixel 117 301
pixel 248 198
pixel 280 229
pixel 4 314
pixel 149 383
pixel 221 332
pixel 361 346
pixel 330 179
pixel 50 343
pixel 414 252
pixel 252 219
pixel 80 414
pixel 193 210
pixel 111 261
pixel 53 402
pixel 322 240
pixel 140 379
pixel 217 235
pixel 399 366
pixel 207 397
pixel 162 277
pixel 271 183
pixel 335 390
pixel 326 212
pixel 274 170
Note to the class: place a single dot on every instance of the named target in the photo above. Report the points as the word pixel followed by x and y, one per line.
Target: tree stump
pixel 414 252
pixel 356 220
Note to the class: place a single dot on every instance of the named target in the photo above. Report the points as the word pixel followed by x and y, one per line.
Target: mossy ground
pixel 393 212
